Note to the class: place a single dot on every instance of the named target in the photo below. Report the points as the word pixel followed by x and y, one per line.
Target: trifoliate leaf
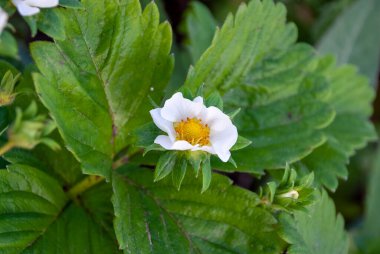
pixel 96 82
pixel 316 231
pixel 37 217
pixel 256 66
pixel 49 23
pixel 157 218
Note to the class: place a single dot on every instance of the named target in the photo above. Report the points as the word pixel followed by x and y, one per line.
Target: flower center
pixel 193 131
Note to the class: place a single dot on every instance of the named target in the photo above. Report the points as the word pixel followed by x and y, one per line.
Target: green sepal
pixel 195 158
pixel 214 99
pixel 186 92
pixel 153 147
pixel 241 143
pixel 179 172
pixel 165 165
pixel 206 173
pixel 272 187
pixel 200 90
pixel 233 162
pixel 233 114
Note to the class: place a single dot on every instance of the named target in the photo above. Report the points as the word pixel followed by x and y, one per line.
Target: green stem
pixel 84 185
pixel 8 146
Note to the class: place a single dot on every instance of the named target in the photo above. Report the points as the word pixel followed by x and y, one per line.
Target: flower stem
pixel 8 146
pixel 84 185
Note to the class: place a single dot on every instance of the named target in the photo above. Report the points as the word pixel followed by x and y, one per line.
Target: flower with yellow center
pixel 190 125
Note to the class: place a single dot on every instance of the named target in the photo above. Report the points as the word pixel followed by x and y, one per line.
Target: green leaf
pixel 282 131
pixel 350 130
pixel 362 40
pixel 156 218
pixel 92 82
pixel 8 45
pixel 70 3
pixel 49 22
pixel 316 231
pixel 200 27
pixel 255 64
pixel 37 217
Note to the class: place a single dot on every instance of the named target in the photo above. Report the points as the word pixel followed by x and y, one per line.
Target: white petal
pixel 3 19
pixel 42 3
pixel 178 108
pixel 24 9
pixel 223 141
pixel 198 99
pixel 216 119
pixel 163 124
pixel 166 143
pixel 208 149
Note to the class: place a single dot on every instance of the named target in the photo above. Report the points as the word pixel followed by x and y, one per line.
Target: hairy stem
pixel 84 185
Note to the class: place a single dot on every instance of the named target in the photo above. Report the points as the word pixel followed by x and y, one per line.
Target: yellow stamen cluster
pixel 193 131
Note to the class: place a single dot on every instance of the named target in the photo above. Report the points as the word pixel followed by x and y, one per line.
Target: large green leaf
pixel 156 218
pixel 37 217
pixel 253 60
pixel 316 231
pixel 356 34
pixel 96 82
pixel 351 96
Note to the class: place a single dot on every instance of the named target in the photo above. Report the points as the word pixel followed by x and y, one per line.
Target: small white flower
pixel 3 20
pixel 190 125
pixel 32 7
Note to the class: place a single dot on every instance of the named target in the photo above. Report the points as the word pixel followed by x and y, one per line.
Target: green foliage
pixel 108 61
pixel 350 129
pixel 360 46
pixel 200 27
pixel 316 231
pixel 92 82
pixel 8 45
pixel 156 218
pixel 37 217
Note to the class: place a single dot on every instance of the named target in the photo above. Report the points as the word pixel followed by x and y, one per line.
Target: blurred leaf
pixel 316 231
pixel 355 38
pixel 351 96
pixel 200 27
pixel 368 237
pixel 92 82
pixel 8 45
pixel 38 218
pixel 157 218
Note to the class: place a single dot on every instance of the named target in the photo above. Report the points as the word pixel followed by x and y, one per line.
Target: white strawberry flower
pixel 191 125
pixel 32 7
pixel 3 20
